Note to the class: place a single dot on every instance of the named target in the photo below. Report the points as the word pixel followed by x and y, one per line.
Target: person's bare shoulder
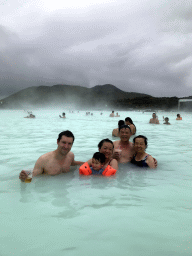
pixel 41 162
pixel 47 155
pixel 115 132
pixel 71 154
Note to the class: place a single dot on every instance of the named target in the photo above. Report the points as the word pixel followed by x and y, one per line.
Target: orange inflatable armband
pixel 85 169
pixel 109 171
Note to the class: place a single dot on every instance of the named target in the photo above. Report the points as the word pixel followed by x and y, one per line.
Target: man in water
pixel 112 114
pixel 57 161
pixel 123 148
pixel 154 120
pixel 178 117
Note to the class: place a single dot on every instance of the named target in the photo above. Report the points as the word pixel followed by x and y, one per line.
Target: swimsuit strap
pixel 110 161
pixel 143 158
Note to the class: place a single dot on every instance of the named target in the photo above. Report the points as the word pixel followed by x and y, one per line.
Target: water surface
pixel 137 212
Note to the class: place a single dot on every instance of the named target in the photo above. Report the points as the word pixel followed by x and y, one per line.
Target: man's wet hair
pixel 100 157
pixel 103 141
pixel 124 126
pixel 120 123
pixel 166 118
pixel 140 136
pixel 128 119
pixel 66 133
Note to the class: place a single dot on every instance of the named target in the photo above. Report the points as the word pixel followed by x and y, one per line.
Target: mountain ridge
pixel 80 97
pixel 57 94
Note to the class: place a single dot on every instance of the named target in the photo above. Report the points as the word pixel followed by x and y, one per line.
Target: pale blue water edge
pixel 134 213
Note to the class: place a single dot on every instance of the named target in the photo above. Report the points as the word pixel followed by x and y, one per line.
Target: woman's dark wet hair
pixel 141 136
pixel 178 115
pixel 128 119
pixel 120 123
pixel 66 133
pixel 103 141
pixel 99 156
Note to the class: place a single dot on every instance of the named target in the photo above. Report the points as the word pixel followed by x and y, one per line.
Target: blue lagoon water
pixel 137 212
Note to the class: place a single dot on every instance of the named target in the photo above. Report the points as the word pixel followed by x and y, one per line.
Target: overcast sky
pixel 138 46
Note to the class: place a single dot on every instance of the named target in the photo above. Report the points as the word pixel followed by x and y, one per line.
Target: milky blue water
pixel 137 212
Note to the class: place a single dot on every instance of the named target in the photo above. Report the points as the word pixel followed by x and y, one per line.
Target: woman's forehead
pixel 107 144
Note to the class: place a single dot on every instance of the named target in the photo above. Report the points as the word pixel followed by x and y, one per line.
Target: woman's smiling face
pixel 139 145
pixel 107 149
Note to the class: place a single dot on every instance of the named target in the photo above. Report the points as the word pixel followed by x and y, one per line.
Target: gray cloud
pixel 136 46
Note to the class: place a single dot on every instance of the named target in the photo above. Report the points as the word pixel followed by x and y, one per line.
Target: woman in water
pixel 106 147
pixel 141 158
pixel 128 121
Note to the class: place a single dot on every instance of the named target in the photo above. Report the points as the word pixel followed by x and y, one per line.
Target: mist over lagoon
pixel 103 97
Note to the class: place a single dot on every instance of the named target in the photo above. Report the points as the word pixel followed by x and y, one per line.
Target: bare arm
pixel 115 133
pixel 38 168
pixel 77 163
pixel 114 164
pixel 152 162
pixel 89 162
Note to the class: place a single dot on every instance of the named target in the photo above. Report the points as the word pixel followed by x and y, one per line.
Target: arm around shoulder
pixel 114 164
pixel 89 162
pixel 75 162
pixel 151 163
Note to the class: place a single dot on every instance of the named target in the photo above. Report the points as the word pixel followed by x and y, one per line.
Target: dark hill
pixel 67 95
pixel 99 96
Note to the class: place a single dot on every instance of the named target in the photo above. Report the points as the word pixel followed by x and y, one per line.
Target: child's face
pixel 96 164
